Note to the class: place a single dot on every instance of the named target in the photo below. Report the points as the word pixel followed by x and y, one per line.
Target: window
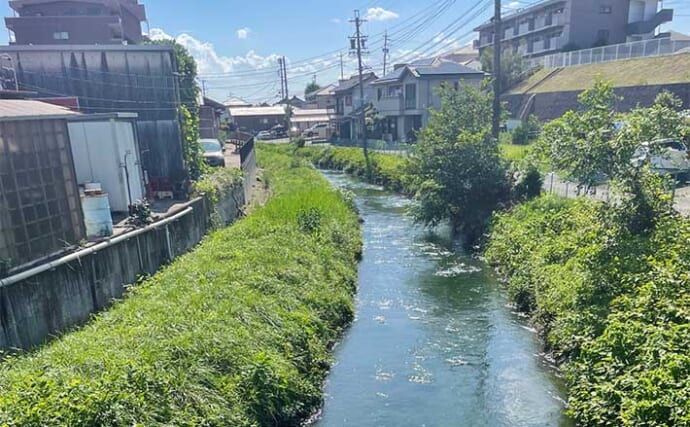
pixel 394 91
pixel 456 86
pixel 61 35
pixel 71 11
pixel 93 11
pixel 379 94
pixel 605 9
pixel 348 101
pixel 411 96
pixel 603 35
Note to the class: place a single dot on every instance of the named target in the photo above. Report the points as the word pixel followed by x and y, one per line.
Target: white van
pixel 321 131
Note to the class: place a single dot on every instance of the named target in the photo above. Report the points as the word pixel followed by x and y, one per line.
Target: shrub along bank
pixel 614 306
pixel 236 333
pixel 387 170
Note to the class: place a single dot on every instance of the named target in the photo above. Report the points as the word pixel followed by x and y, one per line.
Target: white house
pixel 404 96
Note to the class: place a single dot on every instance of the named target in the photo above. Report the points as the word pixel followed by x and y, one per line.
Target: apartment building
pixel 563 25
pixel 46 22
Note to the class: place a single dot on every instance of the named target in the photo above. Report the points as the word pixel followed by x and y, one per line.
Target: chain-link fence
pixel 640 49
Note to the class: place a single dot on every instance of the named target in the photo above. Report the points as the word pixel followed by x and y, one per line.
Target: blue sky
pixel 237 43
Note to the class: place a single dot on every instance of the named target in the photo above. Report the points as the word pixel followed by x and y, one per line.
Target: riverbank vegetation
pixel 237 333
pixel 387 170
pixel 607 283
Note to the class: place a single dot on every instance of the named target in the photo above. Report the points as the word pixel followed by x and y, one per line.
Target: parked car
pixel 319 131
pixel 214 152
pixel 264 135
pixel 279 131
pixel 667 157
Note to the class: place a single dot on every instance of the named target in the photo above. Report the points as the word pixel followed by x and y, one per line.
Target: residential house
pixel 42 22
pixel 211 114
pixel 553 26
pixel 404 96
pixel 256 119
pixel 294 102
pixel 323 98
pixel 348 104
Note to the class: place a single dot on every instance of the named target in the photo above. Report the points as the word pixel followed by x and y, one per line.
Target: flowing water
pixel 434 342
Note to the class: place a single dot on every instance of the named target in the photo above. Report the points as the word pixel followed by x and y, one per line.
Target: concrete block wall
pixel 552 105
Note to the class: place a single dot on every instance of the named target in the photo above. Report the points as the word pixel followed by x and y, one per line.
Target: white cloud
pixel 252 75
pixel 243 33
pixel 380 14
pixel 336 20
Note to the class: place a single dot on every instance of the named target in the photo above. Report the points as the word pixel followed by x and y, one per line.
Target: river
pixel 434 342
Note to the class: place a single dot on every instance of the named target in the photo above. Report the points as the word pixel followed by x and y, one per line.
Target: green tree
pixel 457 169
pixel 514 67
pixel 595 142
pixel 311 87
pixel 188 111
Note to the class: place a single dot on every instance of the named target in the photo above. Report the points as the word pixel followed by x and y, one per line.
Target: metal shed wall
pixel 138 79
pixel 40 210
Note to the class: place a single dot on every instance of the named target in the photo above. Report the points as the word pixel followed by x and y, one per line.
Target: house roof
pixel 213 103
pixel 11 109
pixel 311 115
pixel 429 68
pixel 236 102
pixel 353 82
pixel 277 110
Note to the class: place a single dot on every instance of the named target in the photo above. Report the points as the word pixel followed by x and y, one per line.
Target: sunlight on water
pixel 435 342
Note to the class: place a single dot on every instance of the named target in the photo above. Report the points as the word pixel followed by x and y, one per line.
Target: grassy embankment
pixel 237 332
pixel 614 307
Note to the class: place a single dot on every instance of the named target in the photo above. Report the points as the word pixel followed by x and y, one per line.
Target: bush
pixel 612 305
pixel 236 333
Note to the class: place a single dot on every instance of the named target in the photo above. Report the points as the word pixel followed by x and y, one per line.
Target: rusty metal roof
pixel 25 108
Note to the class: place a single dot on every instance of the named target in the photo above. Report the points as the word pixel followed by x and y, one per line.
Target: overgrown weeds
pixel 236 333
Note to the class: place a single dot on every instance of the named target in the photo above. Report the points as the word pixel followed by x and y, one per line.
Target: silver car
pixel 666 157
pixel 214 153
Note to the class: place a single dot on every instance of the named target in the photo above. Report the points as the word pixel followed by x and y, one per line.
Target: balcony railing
pixel 641 49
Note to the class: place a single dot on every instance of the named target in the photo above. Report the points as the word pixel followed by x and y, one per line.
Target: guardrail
pixel 616 52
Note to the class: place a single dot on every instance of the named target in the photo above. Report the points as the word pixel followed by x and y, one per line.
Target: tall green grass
pixel 236 333
pixel 387 170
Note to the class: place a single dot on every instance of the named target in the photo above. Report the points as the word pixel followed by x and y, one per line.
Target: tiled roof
pixel 429 67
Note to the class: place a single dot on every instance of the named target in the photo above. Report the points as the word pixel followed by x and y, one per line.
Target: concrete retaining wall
pixel 41 306
pixel 552 105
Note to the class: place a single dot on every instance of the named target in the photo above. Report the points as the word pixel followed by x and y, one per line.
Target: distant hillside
pixel 663 70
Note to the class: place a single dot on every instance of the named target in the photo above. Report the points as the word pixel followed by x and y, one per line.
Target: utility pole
pixel 358 45
pixel 342 68
pixel 284 79
pixel 203 88
pixel 385 52
pixel 496 123
pixel 282 83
